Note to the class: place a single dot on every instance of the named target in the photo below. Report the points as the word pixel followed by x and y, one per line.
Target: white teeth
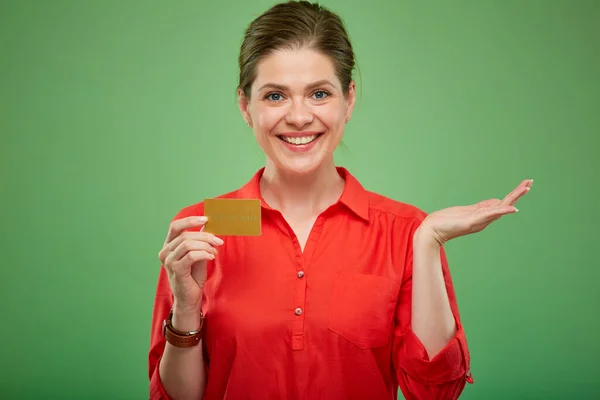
pixel 299 140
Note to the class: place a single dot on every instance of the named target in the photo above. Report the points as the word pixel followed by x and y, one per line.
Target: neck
pixel 301 195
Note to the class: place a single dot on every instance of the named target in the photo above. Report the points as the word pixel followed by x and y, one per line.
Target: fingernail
pixel 202 219
pixel 218 241
pixel 516 209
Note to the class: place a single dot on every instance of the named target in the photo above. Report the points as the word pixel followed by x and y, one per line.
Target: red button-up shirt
pixel 332 322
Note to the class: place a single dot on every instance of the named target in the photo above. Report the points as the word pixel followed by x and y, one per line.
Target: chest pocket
pixel 362 309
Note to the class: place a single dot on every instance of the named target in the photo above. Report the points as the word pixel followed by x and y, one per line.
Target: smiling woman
pixel 298 107
pixel 346 294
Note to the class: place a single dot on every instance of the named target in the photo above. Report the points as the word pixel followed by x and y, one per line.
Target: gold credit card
pixel 232 217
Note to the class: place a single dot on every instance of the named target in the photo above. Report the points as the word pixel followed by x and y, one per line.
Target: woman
pixel 346 294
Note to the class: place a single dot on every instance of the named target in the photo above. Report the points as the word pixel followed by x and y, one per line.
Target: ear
pixel 350 100
pixel 243 105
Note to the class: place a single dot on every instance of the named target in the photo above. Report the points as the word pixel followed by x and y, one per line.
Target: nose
pixel 299 114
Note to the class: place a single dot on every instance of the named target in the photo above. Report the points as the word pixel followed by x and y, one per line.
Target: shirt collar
pixel 354 196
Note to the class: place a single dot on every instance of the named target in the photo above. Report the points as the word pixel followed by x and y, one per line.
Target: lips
pixel 300 139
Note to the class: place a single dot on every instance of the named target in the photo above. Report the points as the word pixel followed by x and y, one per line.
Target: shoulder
pixel 396 219
pixel 395 209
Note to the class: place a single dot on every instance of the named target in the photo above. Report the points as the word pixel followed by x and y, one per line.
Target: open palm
pixel 453 222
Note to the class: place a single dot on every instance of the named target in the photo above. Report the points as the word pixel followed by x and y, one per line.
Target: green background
pixel 116 114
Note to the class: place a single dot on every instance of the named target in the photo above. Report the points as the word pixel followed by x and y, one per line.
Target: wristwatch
pixel 179 338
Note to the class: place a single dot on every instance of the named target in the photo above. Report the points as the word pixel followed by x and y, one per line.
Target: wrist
pixel 186 319
pixel 424 237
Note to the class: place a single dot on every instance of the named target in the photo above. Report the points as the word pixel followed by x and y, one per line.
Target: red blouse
pixel 332 322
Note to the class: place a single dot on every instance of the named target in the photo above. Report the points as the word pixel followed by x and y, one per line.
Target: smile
pixel 299 140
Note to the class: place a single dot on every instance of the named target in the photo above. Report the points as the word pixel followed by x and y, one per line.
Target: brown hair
pixel 293 25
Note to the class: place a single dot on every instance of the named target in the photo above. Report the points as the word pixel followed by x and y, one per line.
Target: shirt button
pixel 300 274
pixel 298 311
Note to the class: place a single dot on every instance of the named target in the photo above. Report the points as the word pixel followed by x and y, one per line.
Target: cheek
pixel 331 115
pixel 266 120
pixel 268 117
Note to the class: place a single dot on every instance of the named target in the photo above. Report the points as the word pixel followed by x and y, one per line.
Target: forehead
pixel 295 68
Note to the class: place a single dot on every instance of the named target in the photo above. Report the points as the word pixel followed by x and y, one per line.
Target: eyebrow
pixel 284 88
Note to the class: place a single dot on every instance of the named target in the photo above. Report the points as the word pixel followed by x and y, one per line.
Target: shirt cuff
pixel 157 391
pixel 450 364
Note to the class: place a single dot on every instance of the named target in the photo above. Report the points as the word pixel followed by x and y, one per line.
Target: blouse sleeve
pixel 162 306
pixel 445 375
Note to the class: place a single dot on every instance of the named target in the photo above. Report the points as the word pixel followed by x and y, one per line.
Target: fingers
pixel 487 203
pixel 493 213
pixel 513 196
pixel 189 252
pixel 182 224
pixel 194 236
pixel 517 193
pixel 189 246
pixel 491 210
pixel 189 241
pixel 499 211
pixel 186 262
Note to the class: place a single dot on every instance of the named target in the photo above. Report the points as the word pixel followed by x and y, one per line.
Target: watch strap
pixel 178 338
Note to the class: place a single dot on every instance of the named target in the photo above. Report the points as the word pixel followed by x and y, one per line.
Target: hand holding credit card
pixel 233 217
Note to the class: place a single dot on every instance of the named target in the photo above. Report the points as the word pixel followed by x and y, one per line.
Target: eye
pixel 320 94
pixel 273 96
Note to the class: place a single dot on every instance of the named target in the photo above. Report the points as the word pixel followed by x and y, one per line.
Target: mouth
pixel 299 140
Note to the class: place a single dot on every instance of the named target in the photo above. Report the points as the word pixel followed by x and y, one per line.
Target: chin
pixel 299 167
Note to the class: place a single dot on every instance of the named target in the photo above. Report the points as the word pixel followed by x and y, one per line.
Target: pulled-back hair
pixel 293 25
